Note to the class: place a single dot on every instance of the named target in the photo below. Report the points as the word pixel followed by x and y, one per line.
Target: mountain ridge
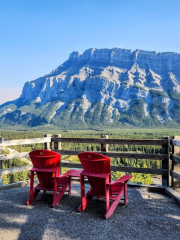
pixel 102 87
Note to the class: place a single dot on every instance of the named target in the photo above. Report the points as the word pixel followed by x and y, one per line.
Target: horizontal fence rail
pixel 24 141
pixel 175 175
pixel 163 172
pixel 48 140
pixel 175 142
pixel 175 158
pixel 14 156
pixel 111 141
pixel 162 157
pixel 15 169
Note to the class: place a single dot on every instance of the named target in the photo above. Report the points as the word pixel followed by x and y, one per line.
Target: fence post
pixel 104 147
pixel 48 145
pixel 57 146
pixel 1 139
pixel 175 166
pixel 165 163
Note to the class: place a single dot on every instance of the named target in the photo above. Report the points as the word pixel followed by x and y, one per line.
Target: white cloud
pixel 9 94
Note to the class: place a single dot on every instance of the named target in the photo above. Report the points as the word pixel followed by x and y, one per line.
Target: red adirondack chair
pixel 97 169
pixel 46 164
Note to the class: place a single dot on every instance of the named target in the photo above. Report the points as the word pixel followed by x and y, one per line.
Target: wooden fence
pixel 56 140
pixel 175 157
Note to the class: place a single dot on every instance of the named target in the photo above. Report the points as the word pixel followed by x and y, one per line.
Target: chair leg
pixel 107 197
pixel 125 194
pixel 33 197
pixel 84 200
pixel 55 189
pixel 70 182
pixel 114 205
pixel 85 204
pixel 33 194
pixel 57 198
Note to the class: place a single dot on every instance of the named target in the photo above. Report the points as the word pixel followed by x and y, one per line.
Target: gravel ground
pixel 148 215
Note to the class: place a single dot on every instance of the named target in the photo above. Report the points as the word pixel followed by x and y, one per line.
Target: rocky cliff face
pixel 102 87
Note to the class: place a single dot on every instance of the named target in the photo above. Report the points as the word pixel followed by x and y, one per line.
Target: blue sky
pixel 36 36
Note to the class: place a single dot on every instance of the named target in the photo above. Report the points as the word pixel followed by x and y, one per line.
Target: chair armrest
pixel 125 178
pixel 73 173
pixel 53 170
pixel 62 176
pixel 98 175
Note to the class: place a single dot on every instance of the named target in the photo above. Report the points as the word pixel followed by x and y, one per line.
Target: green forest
pixel 96 133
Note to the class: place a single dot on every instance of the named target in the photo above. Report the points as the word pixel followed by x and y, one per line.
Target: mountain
pixel 102 88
